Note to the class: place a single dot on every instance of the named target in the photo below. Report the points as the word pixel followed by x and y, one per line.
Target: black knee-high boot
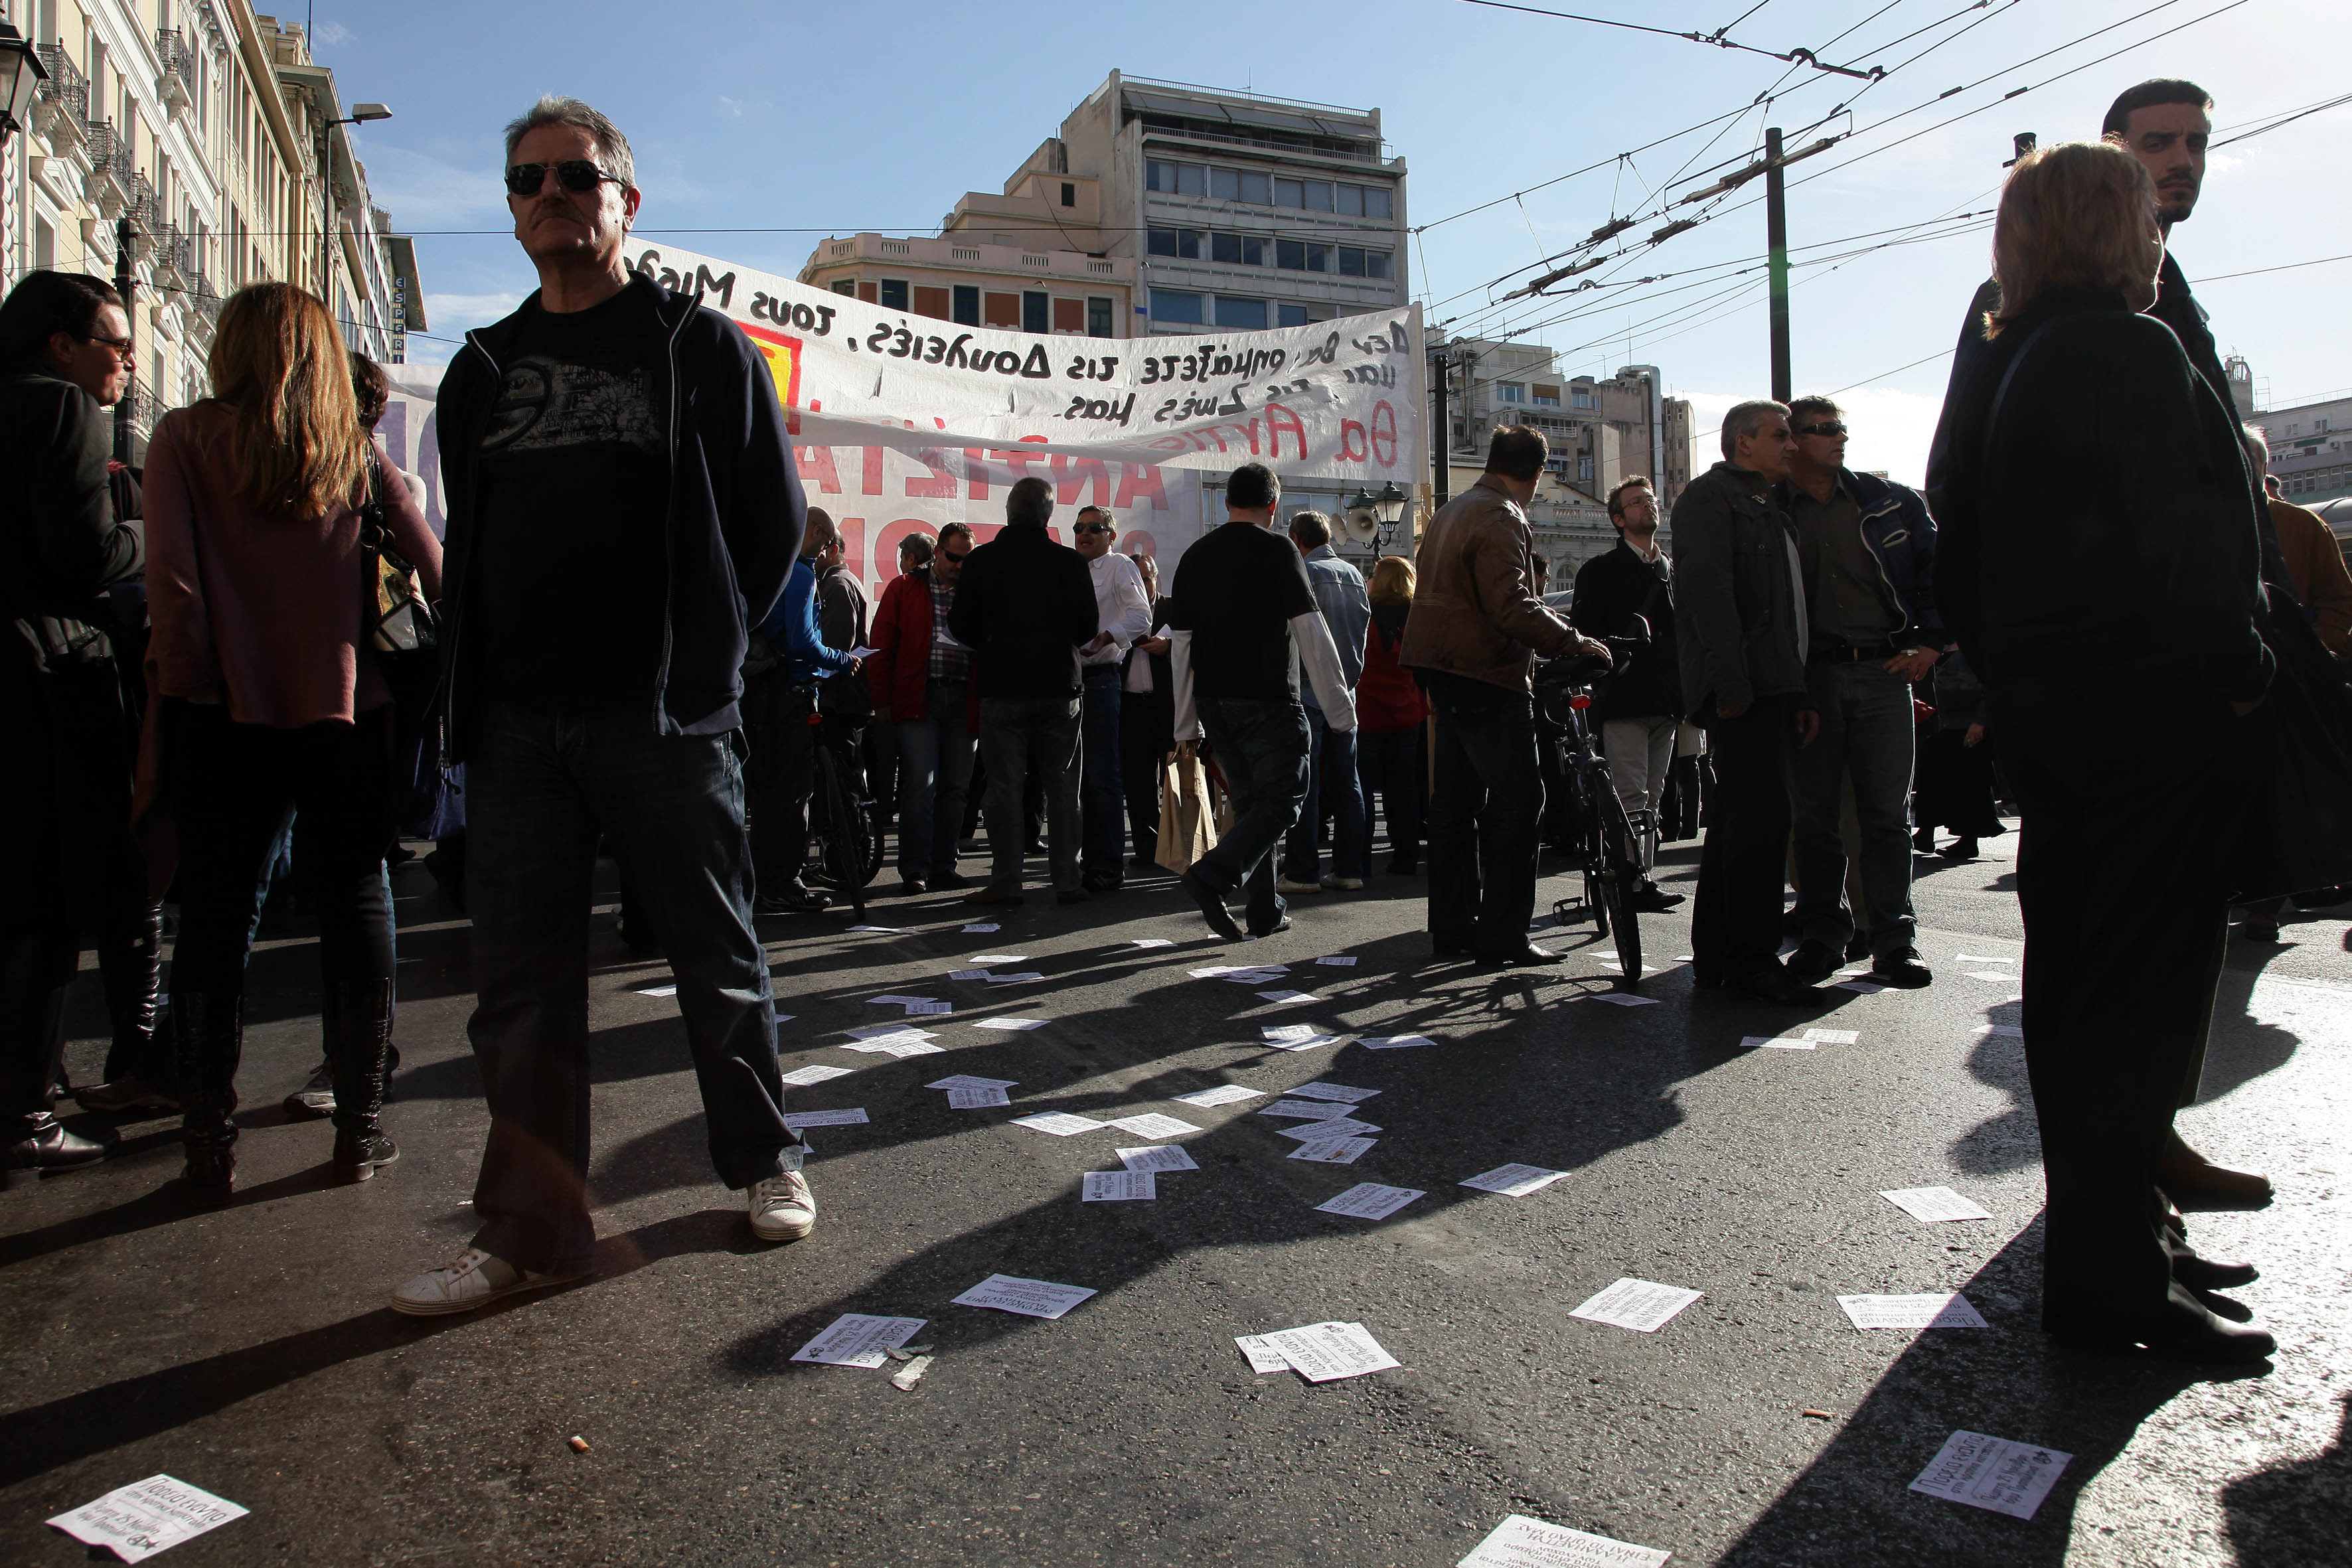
pixel 211 1039
pixel 34 969
pixel 358 1025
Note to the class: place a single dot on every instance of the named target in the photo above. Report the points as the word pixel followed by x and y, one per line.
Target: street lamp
pixel 360 115
pixel 1388 509
pixel 21 74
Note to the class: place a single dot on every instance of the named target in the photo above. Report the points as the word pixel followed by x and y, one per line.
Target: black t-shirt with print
pixel 571 567
pixel 1236 590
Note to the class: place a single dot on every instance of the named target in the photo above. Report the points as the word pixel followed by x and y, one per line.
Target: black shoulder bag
pixel 395 622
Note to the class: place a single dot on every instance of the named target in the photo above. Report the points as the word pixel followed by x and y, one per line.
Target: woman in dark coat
pixel 2098 531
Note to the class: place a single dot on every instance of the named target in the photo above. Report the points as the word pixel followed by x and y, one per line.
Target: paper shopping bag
pixel 1184 832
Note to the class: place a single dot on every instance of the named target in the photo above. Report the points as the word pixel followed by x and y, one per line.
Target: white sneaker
pixel 1284 885
pixel 783 1207
pixel 472 1279
pixel 1344 884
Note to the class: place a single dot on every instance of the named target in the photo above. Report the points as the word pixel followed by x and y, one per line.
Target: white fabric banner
pixel 902 423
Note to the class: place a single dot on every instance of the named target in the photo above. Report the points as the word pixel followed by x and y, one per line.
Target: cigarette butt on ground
pixel 1821 1414
pixel 579 1444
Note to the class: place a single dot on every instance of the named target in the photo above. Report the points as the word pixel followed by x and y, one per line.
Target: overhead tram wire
pixel 2287 119
pixel 1715 41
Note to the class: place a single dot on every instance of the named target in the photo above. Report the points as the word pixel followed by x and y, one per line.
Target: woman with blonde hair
pixel 1391 714
pixel 260 589
pixel 2098 540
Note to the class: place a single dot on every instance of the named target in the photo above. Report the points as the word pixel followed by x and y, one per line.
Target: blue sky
pixel 832 119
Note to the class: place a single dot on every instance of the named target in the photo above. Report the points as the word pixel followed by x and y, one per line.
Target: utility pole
pixel 1442 447
pixel 123 229
pixel 1775 238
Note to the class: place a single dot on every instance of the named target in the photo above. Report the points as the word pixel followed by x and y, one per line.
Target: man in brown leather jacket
pixel 1476 626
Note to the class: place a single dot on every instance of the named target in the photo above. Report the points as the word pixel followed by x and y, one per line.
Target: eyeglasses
pixel 575 174
pixel 1096 528
pixel 124 348
pixel 1824 427
pixel 956 556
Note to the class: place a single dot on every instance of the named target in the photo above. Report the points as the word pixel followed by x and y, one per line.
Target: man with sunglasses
pixel 1867 550
pixel 921 680
pixel 622 509
pixel 1123 611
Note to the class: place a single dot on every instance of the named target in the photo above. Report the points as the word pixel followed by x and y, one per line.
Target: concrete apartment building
pixel 198 130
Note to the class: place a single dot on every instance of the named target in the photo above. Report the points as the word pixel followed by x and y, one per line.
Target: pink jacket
pixel 262 609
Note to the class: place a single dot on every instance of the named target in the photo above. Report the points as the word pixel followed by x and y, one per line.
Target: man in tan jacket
pixel 1475 629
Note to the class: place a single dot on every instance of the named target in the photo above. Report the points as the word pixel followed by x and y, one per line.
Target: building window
pixel 1580 400
pixel 1178 242
pixel 967 304
pixel 1547 396
pixel 999 309
pixel 1036 310
pixel 1354 263
pixel 1241 315
pixel 1379 202
pixel 1240 186
pixel 1069 195
pixel 894 293
pixel 1510 392
pixel 1316 195
pixel 1584 469
pixel 44 244
pixel 1177 305
pixel 1176 179
pixel 1098 314
pixel 1302 255
pixel 1237 249
pixel 1290 315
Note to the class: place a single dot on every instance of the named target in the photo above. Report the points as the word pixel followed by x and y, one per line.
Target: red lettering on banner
pixel 1139 541
pixel 975 473
pixel 816 463
pixel 1140 479
pixel 1353 447
pixel 1068 484
pixel 981 532
pixel 1277 420
pixel 873 470
pixel 1384 435
pixel 942 484
pixel 1018 460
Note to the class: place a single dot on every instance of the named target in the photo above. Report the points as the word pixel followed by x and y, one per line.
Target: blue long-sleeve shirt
pixel 792 627
pixel 1347 609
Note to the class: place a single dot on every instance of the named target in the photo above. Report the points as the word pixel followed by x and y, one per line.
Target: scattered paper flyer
pixel 136 1521
pixel 889 1032
pixel 887 930
pixel 984 926
pixel 1060 1123
pixel 1624 999
pixel 1325 1131
pixel 1321 1090
pixel 1010 1023
pixel 1150 942
pixel 1834 1037
pixel 2010 1030
pixel 1928 1204
pixel 1392 1042
pixel 996 979
pixel 1370 1200
pixel 1990 1473
pixel 1305 1043
pixel 910 1044
pixel 1513 1181
pixel 1934 1310
pixel 1343 960
pixel 1322 1353
pixel 1116 1186
pixel 1333 1150
pixel 1224 1094
pixel 1523 1543
pixel 666 990
pixel 976 1099
pixel 1157 1157
pixel 1283 998
pixel 823 1118
pixel 855 1339
pixel 897 1000
pixel 965 1081
pixel 1859 987
pixel 1253 976
pixel 1640 1304
pixel 967 974
pixel 1775 1043
pixel 1029 1298
pixel 929 1009
pixel 1152 1124
pixel 1263 1357
pixel 999 958
pixel 1311 1109
pixel 1979 958
pixel 1280 1032
pixel 803 1077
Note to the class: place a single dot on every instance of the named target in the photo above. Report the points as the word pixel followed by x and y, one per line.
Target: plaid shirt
pixel 947 663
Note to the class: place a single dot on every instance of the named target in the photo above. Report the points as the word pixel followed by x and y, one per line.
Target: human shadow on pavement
pixel 41 1437
pixel 2294 1514
pixel 1852 1503
pixel 2242 1047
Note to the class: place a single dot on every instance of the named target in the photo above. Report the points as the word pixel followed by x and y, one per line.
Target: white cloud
pixel 333 33
pixel 733 108
pixel 421 191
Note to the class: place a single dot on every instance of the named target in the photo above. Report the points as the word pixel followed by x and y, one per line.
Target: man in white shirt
pixel 1124 613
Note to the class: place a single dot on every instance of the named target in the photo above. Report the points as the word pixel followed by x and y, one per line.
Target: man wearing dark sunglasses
pixel 1867 548
pixel 622 509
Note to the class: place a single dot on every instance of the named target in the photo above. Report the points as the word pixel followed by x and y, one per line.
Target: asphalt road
pixel 251 1352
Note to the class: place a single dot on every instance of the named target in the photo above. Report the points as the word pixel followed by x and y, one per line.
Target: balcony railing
pixel 141 191
pixel 202 300
pixel 109 153
pixel 179 61
pixel 66 87
pixel 173 252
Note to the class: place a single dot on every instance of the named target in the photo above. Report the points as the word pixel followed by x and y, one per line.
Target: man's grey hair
pixel 1745 419
pixel 2257 443
pixel 1311 529
pixel 554 108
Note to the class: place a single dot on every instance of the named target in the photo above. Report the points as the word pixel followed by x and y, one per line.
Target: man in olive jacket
pixel 1739 617
pixel 1476 626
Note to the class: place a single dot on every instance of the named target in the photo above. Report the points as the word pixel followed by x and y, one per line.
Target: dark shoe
pixel 1100 882
pixel 1772 983
pixel 2193 1182
pixel 1960 849
pixel 1651 900
pixel 357 1156
pixel 1071 895
pixel 128 1097
pixel 793 898
pixel 992 894
pixel 1526 957
pixel 949 878
pixel 42 1142
pixel 1276 929
pixel 1815 960
pixel 910 885
pixel 1924 841
pixel 2255 928
pixel 211 1041
pixel 358 1015
pixel 2183 1329
pixel 1904 970
pixel 1212 906
pixel 315 1099
pixel 2209 1273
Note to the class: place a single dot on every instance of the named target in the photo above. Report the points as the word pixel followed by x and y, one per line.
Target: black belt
pixel 1855 653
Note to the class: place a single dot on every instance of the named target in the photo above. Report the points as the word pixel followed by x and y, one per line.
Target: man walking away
pixel 1477 624
pixel 623 509
pixel 1638 710
pixel 1025 607
pixel 921 680
pixel 1332 782
pixel 1244 620
pixel 1123 611
pixel 1867 548
pixel 1739 621
pixel 792 666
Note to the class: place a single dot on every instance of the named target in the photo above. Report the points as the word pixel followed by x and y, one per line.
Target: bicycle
pixel 845 847
pixel 1608 845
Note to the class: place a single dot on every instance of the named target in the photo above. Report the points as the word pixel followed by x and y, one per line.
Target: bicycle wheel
pixel 1620 878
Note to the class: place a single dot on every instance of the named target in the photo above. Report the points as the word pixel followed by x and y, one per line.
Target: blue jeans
pixel 1867 729
pixel 1332 782
pixel 1390 766
pixel 934 772
pixel 544 786
pixel 1483 816
pixel 1104 790
pixel 1017 735
pixel 1261 748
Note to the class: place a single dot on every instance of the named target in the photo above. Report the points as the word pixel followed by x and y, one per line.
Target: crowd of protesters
pixel 223 652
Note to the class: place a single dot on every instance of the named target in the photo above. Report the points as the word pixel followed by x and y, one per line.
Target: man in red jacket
pixel 921 680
